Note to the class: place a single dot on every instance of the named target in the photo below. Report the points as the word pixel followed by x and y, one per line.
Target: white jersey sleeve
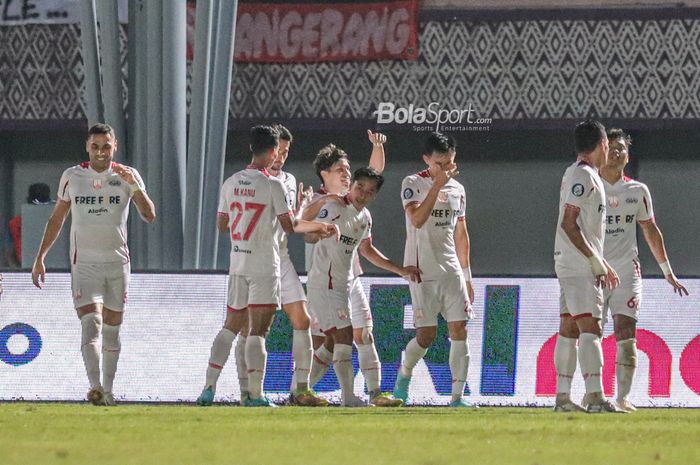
pixel 645 213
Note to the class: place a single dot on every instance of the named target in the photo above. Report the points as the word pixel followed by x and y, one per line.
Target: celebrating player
pixel 437 241
pixel 628 204
pixel 332 276
pixel 582 271
pixel 97 193
pixel 253 206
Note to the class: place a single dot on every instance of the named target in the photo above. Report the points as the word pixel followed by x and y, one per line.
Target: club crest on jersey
pixel 577 190
pixel 97 183
pixel 408 193
pixel 442 197
pixel 613 201
pixel 323 213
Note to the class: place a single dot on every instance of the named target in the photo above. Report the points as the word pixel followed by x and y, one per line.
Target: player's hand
pixel 376 138
pixel 38 272
pixel 470 291
pixel 125 173
pixel 612 280
pixel 444 175
pixel 677 286
pixel 329 230
pixel 411 273
pixel 304 196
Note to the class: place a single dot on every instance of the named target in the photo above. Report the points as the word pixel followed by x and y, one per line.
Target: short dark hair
pixel 285 134
pixel 368 173
pixel 39 193
pixel 588 135
pixel 101 128
pixel 439 142
pixel 327 157
pixel 263 138
pixel 617 133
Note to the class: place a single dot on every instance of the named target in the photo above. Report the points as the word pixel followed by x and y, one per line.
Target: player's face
pixel 282 154
pixel 270 157
pixel 363 192
pixel 618 155
pixel 101 149
pixel 440 161
pixel 337 178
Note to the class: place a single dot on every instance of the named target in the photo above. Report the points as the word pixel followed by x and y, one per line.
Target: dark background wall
pixel 511 177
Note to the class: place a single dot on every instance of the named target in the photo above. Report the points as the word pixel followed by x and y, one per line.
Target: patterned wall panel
pixel 541 69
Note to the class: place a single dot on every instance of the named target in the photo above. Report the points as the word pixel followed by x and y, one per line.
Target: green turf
pixel 137 434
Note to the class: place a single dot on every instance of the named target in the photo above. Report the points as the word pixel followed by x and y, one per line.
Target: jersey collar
pixel 262 170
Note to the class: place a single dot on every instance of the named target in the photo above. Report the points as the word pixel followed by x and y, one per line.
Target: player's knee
pixel 300 321
pixel 425 339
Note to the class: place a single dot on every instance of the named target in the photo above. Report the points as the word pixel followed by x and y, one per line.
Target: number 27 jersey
pixel 252 200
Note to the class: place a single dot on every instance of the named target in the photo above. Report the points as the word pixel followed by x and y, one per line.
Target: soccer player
pixel 332 275
pixel 333 169
pixel 293 296
pixel 97 193
pixel 582 271
pixel 628 204
pixel 253 206
pixel 437 241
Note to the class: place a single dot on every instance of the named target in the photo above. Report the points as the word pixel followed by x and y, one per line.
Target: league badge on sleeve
pixel 408 193
pixel 577 190
pixel 323 213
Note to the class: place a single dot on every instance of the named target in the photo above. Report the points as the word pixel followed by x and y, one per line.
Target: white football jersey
pixel 99 210
pixel 628 203
pixel 333 260
pixel 290 184
pixel 432 247
pixel 582 189
pixel 253 200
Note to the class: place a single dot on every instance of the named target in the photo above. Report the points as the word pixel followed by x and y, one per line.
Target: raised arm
pixel 419 212
pixel 377 158
pixel 51 232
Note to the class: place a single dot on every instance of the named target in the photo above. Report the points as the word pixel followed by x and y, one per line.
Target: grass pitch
pixel 168 434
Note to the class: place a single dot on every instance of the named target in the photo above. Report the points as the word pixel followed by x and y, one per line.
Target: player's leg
pixel 261 317
pixel 88 297
pixel 239 355
pixel 236 318
pixel 457 311
pixel 624 307
pixel 565 354
pixel 300 393
pixel 322 356
pixel 342 363
pixel 361 317
pixel 425 321
pixel 112 316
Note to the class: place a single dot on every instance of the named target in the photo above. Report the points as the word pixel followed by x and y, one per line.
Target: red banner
pixel 312 32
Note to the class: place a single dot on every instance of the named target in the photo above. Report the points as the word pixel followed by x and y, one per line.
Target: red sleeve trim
pixel 462 218
pixel 649 221
pixel 222 214
pixel 410 203
pixel 572 207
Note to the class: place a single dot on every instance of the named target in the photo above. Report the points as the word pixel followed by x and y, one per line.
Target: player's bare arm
pixel 222 222
pixel 605 274
pixel 304 197
pixel 378 259
pixel 655 240
pixel 53 228
pixel 463 248
pixel 143 202
pixel 377 157
pixel 312 210
pixel 323 230
pixel 419 212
